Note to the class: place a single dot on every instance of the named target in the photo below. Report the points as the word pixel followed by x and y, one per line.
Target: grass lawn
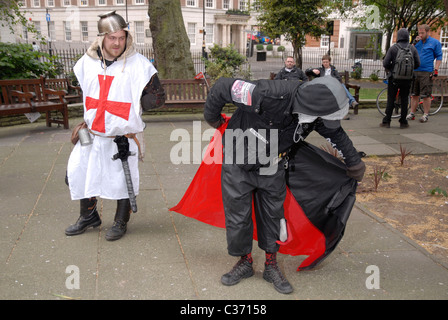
pixel 367 93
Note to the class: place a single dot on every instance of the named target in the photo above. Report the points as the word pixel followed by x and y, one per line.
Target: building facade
pixel 73 23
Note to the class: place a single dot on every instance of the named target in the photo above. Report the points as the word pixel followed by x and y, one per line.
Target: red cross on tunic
pixel 119 109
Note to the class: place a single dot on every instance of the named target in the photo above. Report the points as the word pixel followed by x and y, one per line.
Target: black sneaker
pixel 273 275
pixel 242 269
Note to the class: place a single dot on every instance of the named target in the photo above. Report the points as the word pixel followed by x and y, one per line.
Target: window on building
pixel 444 37
pixel 84 3
pixel 191 31
pixel 84 31
pixel 209 4
pixel 209 33
pixel 50 3
pixel 226 4
pixel 119 2
pixel 139 2
pixel 102 2
pixel 191 3
pixel 37 27
pixel 243 5
pixel 66 3
pixel 324 41
pixel 25 33
pixel 21 3
pixel 139 32
pixel 67 31
pixel 36 3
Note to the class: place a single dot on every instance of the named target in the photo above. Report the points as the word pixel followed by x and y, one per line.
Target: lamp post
pixel 47 17
pixel 204 55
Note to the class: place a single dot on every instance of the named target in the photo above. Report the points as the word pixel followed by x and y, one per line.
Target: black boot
pixel 89 217
pixel 121 219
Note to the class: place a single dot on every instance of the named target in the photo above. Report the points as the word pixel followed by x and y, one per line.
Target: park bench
pixel 20 96
pixel 185 93
pixel 73 93
pixel 346 76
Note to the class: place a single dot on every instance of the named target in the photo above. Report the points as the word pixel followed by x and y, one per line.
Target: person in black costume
pixel 279 114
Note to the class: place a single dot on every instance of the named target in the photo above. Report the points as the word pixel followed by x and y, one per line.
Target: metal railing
pixel 274 61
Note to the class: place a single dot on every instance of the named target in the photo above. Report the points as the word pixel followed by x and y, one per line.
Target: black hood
pixel 403 35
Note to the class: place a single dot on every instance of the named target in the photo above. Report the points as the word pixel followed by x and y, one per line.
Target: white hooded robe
pixel 111 107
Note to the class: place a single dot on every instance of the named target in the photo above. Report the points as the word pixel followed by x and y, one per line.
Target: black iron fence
pixel 270 62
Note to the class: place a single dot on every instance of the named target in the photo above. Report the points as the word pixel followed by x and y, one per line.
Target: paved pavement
pixel 167 256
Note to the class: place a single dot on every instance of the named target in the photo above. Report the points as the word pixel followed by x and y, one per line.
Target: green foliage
pixel 19 61
pixel 374 76
pixel 294 20
pixel 269 47
pixel 260 47
pixel 238 12
pixel 225 62
pixel 387 16
pixel 280 48
pixel 357 73
pixel 12 15
pixel 438 191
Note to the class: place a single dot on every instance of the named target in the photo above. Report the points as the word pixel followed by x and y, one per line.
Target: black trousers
pixel 239 188
pixel 392 89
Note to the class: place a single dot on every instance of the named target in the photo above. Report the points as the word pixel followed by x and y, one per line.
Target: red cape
pixel 203 201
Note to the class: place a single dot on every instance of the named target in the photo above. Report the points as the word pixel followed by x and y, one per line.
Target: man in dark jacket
pixel 398 84
pixel 328 69
pixel 291 72
pixel 275 115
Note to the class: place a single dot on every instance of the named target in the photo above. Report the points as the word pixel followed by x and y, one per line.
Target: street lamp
pixel 204 55
pixel 47 17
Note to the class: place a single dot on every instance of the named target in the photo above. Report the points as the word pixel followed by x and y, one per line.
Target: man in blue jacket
pixel 429 49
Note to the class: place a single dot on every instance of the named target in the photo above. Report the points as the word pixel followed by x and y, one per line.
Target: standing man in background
pixel 400 61
pixel 429 49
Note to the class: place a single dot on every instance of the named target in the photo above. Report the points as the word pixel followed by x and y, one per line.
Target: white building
pixel 74 22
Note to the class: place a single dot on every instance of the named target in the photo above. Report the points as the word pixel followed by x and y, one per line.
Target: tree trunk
pixel 170 41
pixel 297 53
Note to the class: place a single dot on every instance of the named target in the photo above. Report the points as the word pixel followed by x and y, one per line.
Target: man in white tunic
pixel 116 82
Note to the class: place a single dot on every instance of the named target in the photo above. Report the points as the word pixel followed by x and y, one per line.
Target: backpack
pixel 404 64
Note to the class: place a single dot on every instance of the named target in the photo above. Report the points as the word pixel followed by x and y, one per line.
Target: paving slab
pixel 166 256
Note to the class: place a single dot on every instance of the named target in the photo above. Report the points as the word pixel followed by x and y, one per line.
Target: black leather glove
pixel 218 123
pixel 153 95
pixel 357 171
